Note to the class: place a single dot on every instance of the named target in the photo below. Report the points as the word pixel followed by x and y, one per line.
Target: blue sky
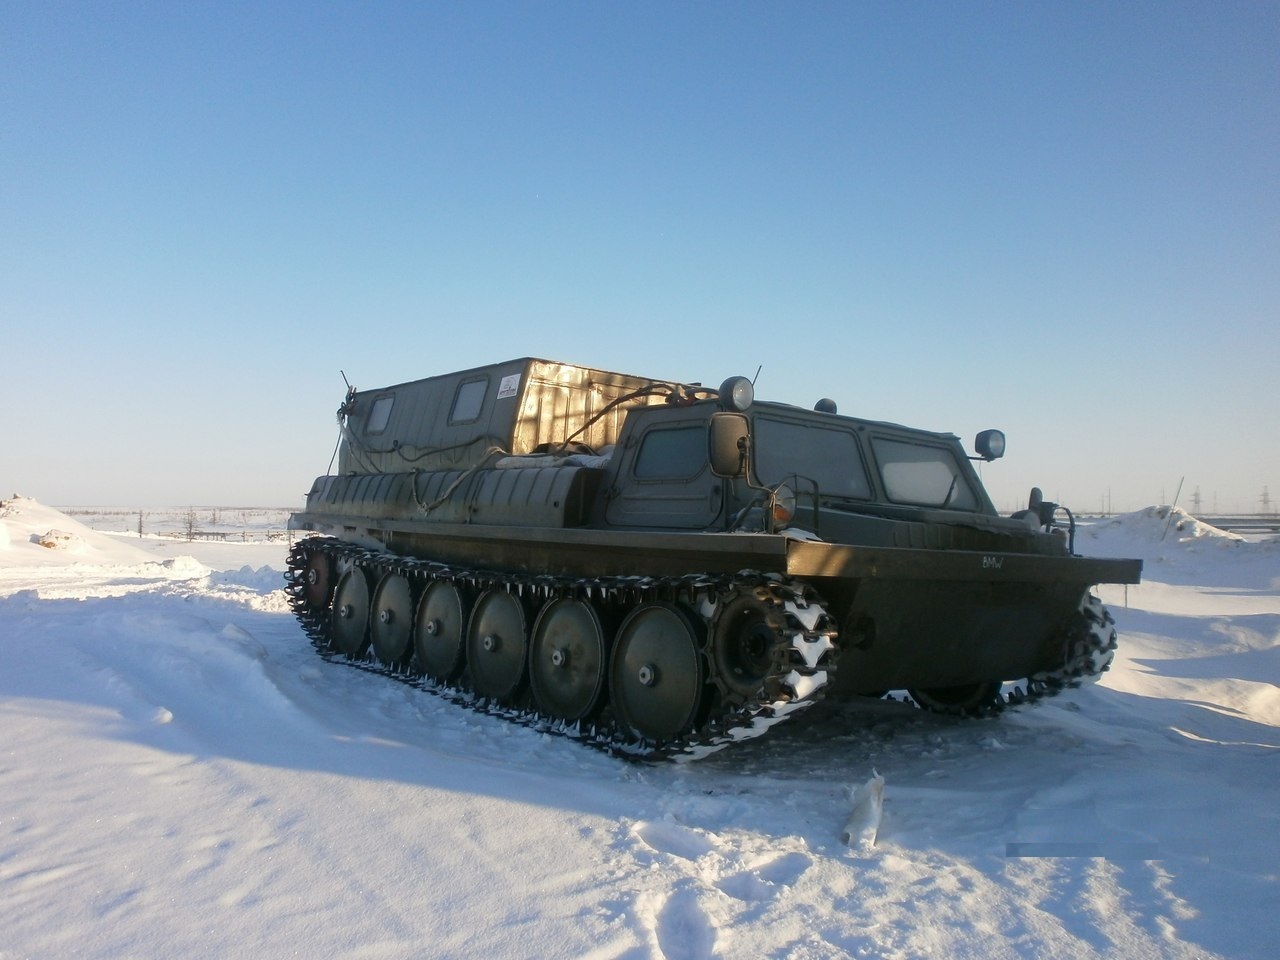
pixel 1058 219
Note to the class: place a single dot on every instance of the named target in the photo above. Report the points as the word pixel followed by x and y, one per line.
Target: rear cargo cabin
pixel 519 443
pixel 464 419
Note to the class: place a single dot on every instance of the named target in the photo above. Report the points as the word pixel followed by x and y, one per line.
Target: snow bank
pixel 1162 524
pixel 35 534
pixel 1177 548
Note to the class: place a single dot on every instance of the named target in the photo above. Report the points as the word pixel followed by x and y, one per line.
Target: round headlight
pixel 737 393
pixel 990 444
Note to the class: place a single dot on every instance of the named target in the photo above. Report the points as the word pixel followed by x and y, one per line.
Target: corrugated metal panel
pixel 525 403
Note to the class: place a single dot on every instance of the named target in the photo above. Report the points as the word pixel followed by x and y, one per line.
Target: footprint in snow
pixel 683 929
pixel 766 880
pixel 673 839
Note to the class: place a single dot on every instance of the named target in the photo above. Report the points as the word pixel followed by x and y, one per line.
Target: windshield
pixel 924 475
pixel 829 456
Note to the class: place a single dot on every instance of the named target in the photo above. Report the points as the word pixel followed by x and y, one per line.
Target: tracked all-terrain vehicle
pixel 663 568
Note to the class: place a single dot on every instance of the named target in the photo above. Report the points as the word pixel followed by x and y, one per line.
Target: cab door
pixel 663 479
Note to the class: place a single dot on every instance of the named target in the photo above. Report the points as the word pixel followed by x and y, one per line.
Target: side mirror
pixel 989 444
pixel 728 439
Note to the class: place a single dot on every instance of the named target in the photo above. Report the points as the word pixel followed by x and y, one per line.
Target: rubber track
pixel 1090 646
pixel 804 658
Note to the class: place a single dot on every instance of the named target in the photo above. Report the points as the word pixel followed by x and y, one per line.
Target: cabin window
pixel 672 454
pixel 925 476
pixel 469 401
pixel 379 414
pixel 823 455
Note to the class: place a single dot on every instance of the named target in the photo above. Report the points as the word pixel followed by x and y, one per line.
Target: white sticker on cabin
pixel 509 386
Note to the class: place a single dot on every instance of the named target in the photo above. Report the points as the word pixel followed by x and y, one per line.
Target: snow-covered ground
pixel 181 775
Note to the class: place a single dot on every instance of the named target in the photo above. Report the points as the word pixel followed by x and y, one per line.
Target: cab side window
pixel 678 453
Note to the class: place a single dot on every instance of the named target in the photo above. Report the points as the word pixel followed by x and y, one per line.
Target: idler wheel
pixel 317 580
pixel 657 681
pixel 744 641
pixel 497 645
pixel 567 659
pixel 439 638
pixel 964 700
pixel 391 624
pixel 350 616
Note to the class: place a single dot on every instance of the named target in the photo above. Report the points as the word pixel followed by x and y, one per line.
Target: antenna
pixel 758 369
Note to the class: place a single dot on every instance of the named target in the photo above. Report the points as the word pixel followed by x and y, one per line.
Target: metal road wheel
pixel 567 656
pixel 962 701
pixel 439 638
pixel 497 645
pixel 744 639
pixel 317 580
pixel 351 613
pixel 391 623
pixel 657 682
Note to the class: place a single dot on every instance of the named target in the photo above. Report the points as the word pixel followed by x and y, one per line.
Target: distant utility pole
pixel 1195 502
pixel 1266 501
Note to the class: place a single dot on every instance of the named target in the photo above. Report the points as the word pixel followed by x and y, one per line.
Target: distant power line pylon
pixel 1195 502
pixel 1265 500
